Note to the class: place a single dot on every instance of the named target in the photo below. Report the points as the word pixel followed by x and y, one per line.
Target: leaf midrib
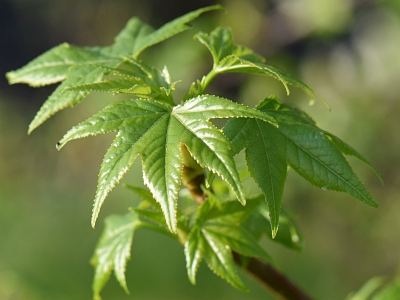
pixel 332 171
pixel 269 167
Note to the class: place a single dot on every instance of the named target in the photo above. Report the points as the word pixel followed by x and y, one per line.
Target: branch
pixel 272 279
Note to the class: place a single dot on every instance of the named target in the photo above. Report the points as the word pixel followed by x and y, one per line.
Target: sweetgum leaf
pixel 142 193
pixel 53 65
pixel 134 77
pixel 232 58
pixel 138 36
pixel 113 250
pixel 308 151
pixel 348 150
pixel 220 43
pixel 216 231
pixel 230 212
pixel 238 239
pixel 289 235
pixel 61 99
pixel 266 160
pixel 194 250
pixel 155 131
pixel 219 258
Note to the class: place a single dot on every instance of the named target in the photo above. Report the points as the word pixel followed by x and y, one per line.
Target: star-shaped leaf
pixel 53 65
pixel 78 66
pixel 297 142
pixel 134 77
pixel 217 231
pixel 156 131
pixel 113 250
pixel 233 58
pixel 138 36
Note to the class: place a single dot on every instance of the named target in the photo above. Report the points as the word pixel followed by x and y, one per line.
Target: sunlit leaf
pixel 113 250
pixel 155 131
pixel 220 43
pixel 232 58
pixel 53 65
pixel 134 78
pixel 194 250
pixel 219 259
pixel 61 99
pixel 138 36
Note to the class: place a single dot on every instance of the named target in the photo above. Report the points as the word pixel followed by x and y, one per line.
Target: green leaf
pixel 53 65
pixel 238 239
pixel 138 36
pixel 61 99
pixel 266 160
pixel 113 250
pixel 194 250
pixel 390 291
pixel 230 212
pixel 311 154
pixel 137 78
pixel 288 235
pixel 142 193
pixel 154 216
pixel 219 259
pixel 232 58
pixel 155 131
pixel 220 43
pixel 369 288
pixel 308 151
pixel 348 150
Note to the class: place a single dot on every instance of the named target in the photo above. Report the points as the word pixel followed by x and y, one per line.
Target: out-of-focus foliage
pixel 377 288
pixel 353 62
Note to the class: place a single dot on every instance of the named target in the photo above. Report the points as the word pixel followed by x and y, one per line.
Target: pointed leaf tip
pixel 274 231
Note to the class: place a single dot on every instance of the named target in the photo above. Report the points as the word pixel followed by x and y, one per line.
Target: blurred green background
pixel 349 51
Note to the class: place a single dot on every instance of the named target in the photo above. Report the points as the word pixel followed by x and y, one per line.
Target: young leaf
pixel 212 246
pixel 238 239
pixel 219 259
pixel 61 99
pixel 194 250
pixel 155 131
pixel 113 250
pixel 137 78
pixel 230 212
pixel 53 65
pixel 232 58
pixel 220 43
pixel 142 193
pixel 138 36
